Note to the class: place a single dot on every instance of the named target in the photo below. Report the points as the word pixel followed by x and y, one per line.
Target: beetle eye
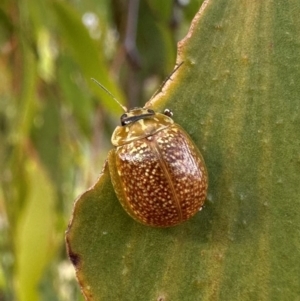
pixel 168 112
pixel 123 119
pixel 151 111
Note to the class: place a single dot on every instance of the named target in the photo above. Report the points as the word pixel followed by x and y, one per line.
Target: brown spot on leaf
pixel 75 258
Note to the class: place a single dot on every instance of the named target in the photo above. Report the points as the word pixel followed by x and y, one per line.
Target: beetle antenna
pixel 164 82
pixel 111 95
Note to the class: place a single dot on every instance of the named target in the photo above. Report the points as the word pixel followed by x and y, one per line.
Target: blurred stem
pixel 130 37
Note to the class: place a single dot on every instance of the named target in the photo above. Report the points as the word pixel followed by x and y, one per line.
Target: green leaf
pixel 34 240
pixel 77 100
pixel 237 94
pixel 86 53
pixel 156 44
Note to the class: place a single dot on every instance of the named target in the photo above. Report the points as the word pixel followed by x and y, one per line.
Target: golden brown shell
pixel 160 178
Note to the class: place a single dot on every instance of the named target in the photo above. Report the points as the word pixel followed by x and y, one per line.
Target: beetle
pixel 157 172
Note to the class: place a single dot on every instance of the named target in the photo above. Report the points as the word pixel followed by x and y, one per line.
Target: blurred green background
pixel 55 123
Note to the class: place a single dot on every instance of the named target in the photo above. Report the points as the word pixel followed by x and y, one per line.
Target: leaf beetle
pixel 157 172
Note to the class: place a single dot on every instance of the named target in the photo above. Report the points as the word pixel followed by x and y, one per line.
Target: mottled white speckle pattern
pixel 163 177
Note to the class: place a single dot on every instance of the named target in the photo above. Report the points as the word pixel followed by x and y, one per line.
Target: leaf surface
pixel 237 95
